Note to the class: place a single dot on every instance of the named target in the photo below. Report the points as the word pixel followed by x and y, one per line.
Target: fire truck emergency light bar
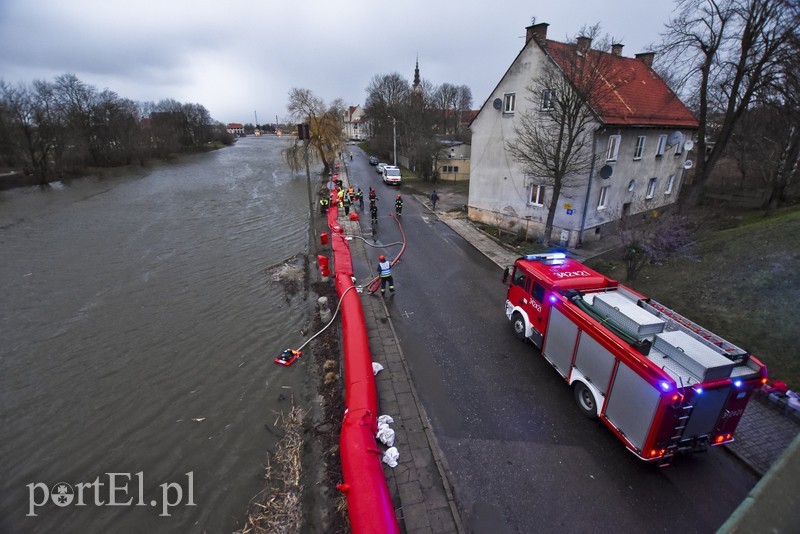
pixel 547 256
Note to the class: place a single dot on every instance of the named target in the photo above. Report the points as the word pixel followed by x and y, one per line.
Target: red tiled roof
pixel 639 97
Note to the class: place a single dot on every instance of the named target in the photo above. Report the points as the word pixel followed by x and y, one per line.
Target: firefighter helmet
pixel 382 257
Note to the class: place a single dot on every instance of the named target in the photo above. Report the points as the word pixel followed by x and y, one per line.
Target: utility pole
pixel 394 139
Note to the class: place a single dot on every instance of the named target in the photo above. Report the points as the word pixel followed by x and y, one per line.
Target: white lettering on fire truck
pixel 533 303
pixel 572 274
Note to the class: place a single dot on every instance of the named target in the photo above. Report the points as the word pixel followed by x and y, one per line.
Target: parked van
pixel 391 175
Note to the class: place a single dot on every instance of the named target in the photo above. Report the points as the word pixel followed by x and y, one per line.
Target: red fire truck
pixel 662 383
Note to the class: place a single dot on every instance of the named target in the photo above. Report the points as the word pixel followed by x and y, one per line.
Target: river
pixel 139 317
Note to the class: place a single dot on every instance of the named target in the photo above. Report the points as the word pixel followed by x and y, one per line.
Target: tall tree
pixel 726 52
pixel 325 128
pixel 553 141
pixel 33 125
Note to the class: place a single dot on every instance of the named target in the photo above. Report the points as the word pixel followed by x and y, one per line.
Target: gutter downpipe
pixel 588 188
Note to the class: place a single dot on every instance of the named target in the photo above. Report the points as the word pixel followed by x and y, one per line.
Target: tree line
pixel 51 129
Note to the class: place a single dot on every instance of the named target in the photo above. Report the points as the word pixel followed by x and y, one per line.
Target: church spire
pixel 417 86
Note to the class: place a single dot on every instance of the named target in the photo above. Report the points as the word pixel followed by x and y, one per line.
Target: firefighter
pixel 324 202
pixel 373 212
pixel 372 195
pixel 340 196
pixel 346 203
pixel 360 197
pixel 385 270
pixel 398 205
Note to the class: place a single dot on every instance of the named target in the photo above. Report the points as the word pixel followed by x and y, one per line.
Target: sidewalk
pixel 420 490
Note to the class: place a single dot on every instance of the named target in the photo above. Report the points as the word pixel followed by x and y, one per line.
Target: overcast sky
pixel 237 57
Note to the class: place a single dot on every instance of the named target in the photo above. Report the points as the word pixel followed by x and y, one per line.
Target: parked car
pixel 379 167
pixel 373 160
pixel 391 175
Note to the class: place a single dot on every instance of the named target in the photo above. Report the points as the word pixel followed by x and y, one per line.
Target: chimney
pixel 616 49
pixel 584 44
pixel 646 58
pixel 536 31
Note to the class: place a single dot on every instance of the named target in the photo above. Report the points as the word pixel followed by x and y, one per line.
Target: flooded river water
pixel 139 317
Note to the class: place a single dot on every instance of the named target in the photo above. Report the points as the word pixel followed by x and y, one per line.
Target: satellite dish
pixel 689 144
pixel 497 104
pixel 687 164
pixel 674 138
pixel 606 171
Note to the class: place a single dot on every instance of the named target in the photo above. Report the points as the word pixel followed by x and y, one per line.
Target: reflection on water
pixel 138 322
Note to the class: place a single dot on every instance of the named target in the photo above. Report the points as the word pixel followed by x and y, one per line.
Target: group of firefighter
pixel 346 198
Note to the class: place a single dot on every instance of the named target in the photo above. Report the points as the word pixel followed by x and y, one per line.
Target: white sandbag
pixel 385 419
pixel 386 435
pixel 390 457
pixel 376 368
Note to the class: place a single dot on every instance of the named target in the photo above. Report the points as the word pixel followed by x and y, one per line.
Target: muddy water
pixel 139 317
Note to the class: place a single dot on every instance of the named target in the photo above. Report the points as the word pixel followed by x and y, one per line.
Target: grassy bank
pixel 743 284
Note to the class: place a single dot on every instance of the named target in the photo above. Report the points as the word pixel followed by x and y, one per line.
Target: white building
pixel 641 139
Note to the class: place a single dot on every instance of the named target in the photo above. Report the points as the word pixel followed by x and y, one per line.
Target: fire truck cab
pixel 662 383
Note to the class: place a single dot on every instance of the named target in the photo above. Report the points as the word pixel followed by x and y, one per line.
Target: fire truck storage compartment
pixel 559 346
pixel 595 362
pixel 631 405
pixel 705 413
pixel 699 359
pixel 628 315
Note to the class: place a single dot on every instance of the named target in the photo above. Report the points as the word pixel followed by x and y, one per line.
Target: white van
pixel 391 175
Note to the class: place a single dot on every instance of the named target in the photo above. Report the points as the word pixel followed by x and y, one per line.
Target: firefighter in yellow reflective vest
pixel 385 269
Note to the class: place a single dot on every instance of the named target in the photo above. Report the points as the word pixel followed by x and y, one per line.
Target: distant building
pixel 235 128
pixel 355 127
pixel 452 161
pixel 641 133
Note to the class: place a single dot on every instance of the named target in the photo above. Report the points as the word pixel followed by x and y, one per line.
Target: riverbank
pixel 12 178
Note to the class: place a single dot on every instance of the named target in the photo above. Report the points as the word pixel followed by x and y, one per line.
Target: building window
pixel 601 205
pixel 613 147
pixel 651 188
pixel 662 145
pixel 449 168
pixel 670 184
pixel 509 102
pixel 631 185
pixel 548 100
pixel 639 147
pixel 537 195
pixel 679 147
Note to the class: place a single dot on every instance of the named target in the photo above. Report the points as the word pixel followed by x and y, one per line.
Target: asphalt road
pixel 522 456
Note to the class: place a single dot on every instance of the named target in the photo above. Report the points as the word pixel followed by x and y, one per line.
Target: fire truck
pixel 660 382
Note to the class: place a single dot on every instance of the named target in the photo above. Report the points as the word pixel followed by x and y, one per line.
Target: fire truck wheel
pixel 585 399
pixel 518 323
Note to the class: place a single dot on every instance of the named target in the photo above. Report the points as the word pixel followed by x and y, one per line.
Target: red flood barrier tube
pixel 369 503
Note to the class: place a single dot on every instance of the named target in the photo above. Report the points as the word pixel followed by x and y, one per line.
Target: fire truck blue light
pixel 665 386
pixel 737 383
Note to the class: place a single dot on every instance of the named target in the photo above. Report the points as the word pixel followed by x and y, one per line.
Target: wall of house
pixel 500 193
pixel 629 184
pixel 454 163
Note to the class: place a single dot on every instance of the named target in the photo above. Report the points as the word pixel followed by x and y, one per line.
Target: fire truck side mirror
pixel 505 275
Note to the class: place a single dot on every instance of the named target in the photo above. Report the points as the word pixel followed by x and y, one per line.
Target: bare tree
pixel 789 98
pixel 554 137
pixel 387 98
pixel 726 52
pixel 325 128
pixel 33 125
